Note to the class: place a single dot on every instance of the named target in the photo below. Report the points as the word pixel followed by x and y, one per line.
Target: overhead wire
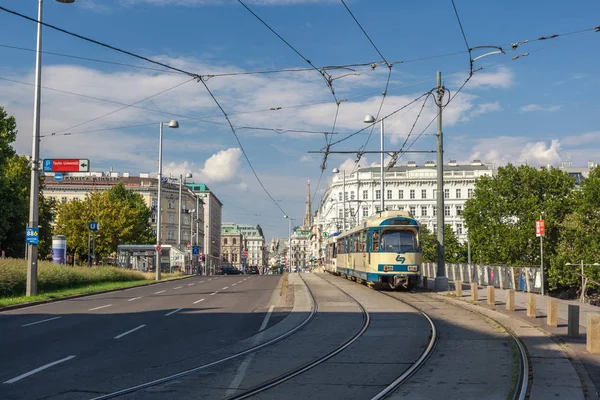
pixel 363 31
pixel 463 34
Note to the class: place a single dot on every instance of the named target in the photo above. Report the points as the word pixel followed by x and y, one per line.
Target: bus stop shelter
pixel 142 257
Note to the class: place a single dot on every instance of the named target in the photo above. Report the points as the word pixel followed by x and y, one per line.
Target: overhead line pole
pixel 441 281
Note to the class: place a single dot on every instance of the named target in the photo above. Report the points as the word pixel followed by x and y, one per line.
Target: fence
pixel 526 279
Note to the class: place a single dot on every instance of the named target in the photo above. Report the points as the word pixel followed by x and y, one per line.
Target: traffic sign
pixel 94 226
pixel 245 253
pixel 188 246
pixel 67 165
pixel 58 177
pixel 540 228
pixel 158 248
pixel 325 235
pixel 32 235
pixel 195 250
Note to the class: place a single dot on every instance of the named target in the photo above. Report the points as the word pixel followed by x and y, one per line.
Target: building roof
pixel 405 168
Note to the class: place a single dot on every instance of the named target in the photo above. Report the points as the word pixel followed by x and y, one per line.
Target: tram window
pixel 399 242
pixel 375 240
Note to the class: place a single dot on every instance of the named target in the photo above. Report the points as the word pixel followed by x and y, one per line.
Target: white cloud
pixel 503 77
pixel 484 108
pixel 511 149
pixel 220 167
pixel 538 107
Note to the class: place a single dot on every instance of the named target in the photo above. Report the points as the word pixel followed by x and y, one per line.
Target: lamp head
pixel 336 171
pixel 66 1
pixel 173 124
pixel 369 119
pixel 189 175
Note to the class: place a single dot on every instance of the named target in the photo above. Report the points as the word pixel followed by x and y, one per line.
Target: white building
pixel 410 187
pixel 254 243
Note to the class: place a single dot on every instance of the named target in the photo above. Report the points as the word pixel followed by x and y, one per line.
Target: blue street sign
pixel 58 177
pixel 93 226
pixel 47 165
pixel 195 250
pixel 32 235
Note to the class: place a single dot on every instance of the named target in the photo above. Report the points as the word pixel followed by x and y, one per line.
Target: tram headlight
pixel 412 268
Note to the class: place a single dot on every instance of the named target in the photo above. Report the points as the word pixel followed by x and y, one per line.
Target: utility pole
pixel 542 261
pixel 179 214
pixel 441 281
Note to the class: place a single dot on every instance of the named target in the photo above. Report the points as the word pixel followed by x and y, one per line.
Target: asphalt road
pixel 84 347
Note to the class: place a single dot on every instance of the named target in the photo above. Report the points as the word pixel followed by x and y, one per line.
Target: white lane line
pixel 97 308
pixel 212 294
pixel 191 284
pixel 178 287
pixel 160 291
pixel 201 282
pixel 173 312
pixel 210 279
pixel 135 298
pixel 198 301
pixel 233 284
pixel 34 371
pixel 241 372
pixel 128 332
pixel 41 322
pixel 226 287
pixel 241 281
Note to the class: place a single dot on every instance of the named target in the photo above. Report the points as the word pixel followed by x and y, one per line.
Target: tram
pixel 383 252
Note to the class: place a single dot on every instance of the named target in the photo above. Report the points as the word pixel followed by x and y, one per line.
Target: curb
pixel 76 296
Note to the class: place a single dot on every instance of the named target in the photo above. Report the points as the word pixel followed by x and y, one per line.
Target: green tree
pixel 501 216
pixel 455 251
pixel 122 214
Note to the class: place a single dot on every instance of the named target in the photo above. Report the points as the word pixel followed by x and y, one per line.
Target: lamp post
pixel 290 240
pixel 181 180
pixel 369 119
pixel 582 298
pixel 31 285
pixel 171 124
pixel 337 171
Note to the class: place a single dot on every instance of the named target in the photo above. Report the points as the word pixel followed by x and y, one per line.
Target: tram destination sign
pixel 66 165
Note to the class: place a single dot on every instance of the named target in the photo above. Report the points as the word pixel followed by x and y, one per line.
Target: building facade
pixel 212 223
pixel 254 240
pixel 232 245
pixel 410 187
pixel 79 185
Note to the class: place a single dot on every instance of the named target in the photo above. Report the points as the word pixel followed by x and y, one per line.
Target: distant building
pixel 232 245
pixel 577 173
pixel 212 223
pixel 254 241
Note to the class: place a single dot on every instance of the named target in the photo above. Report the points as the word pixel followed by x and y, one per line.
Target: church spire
pixel 308 216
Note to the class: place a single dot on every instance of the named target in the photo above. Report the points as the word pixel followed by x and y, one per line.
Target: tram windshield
pixel 399 242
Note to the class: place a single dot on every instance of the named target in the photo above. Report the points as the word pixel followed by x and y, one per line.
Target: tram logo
pixel 400 259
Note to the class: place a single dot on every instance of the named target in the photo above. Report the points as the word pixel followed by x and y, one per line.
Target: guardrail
pixel 526 279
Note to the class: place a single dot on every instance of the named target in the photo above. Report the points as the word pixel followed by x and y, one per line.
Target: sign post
pixel 93 227
pixel 540 231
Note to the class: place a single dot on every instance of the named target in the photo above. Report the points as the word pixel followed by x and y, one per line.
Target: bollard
pixel 573 325
pixel 458 285
pixel 531 311
pixel 593 334
pixel 552 312
pixel 491 296
pixel 424 283
pixel 474 292
pixel 510 299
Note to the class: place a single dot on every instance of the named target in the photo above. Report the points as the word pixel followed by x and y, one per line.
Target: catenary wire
pixel 461 27
pixel 364 32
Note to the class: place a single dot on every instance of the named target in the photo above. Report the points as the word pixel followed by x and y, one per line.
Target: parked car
pixel 252 270
pixel 228 270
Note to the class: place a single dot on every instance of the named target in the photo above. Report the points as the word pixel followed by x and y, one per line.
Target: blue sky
pixel 540 109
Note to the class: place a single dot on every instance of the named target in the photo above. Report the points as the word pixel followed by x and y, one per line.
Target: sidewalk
pixel 575 346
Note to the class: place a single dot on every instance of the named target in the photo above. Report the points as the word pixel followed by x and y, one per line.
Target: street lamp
pixel 583 276
pixel 337 171
pixel 31 286
pixel 290 240
pixel 171 124
pixel 369 119
pixel 181 180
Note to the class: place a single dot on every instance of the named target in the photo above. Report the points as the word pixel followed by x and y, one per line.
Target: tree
pixel 122 214
pixel 501 216
pixel 455 251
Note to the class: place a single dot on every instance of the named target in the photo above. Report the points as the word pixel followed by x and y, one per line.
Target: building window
pixel 63 199
pixel 389 194
pixel 423 211
pixel 446 193
pixel 154 202
pixel 458 193
pixel 413 210
pixel 340 213
pixel 446 211
pixel 434 228
pixel 423 193
pixel 352 195
pixel 224 240
pixel 365 194
pixel 434 211
pixel 365 212
pixel 412 194
pixel 171 218
pixel 377 208
pixel 378 195
pixel 470 193
pixel 153 231
pixel 340 196
pixel 458 210
pixel 459 230
pixel 400 194
pixel 171 204
pixel 153 218
pixel 170 235
pixel 234 241
pixel 346 196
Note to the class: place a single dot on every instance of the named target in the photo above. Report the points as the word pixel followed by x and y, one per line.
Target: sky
pixel 535 103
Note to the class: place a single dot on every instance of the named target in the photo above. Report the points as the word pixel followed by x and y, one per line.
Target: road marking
pixel 239 376
pixel 201 282
pixel 173 312
pixel 161 291
pixel 135 298
pixel 210 279
pixel 198 301
pixel 212 294
pixel 241 281
pixel 234 284
pixel 226 287
pixel 266 320
pixel 128 332
pixel 41 322
pixel 190 284
pixel 43 367
pixel 178 287
pixel 97 308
